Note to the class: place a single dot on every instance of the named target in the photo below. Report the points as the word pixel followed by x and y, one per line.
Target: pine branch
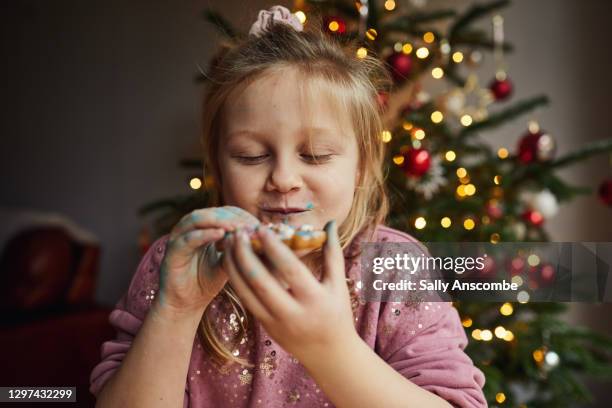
pixel 411 21
pixel 473 13
pixel 591 149
pixel 512 112
pixel 478 38
pixel 220 23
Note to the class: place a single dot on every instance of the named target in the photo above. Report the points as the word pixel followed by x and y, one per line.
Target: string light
pixel 420 223
pixel 362 52
pixel 538 355
pixel 407 48
pixel 509 336
pixel 445 222
pixel 445 47
pixel 494 238
pixel 466 120
pixel 399 159
pixel 533 260
pixel 506 309
pixel 429 37
pixel 397 47
pixel 386 136
pixel 502 153
pixel 486 335
pixel 333 26
pixel 457 57
pixel 469 224
pixel 407 125
pixel 389 5
pixel 522 297
pixel 195 183
pixel 470 189
pixel 476 334
pixel 419 134
pixel 517 280
pixel 500 397
pixel 422 52
pixel 450 156
pixel 437 72
pixel 497 179
pixel 500 332
pixel 437 117
pixel 461 172
pixel 467 322
pixel 371 34
pixel 301 16
pixel 461 190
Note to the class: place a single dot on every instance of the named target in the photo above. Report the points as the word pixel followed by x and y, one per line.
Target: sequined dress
pixel 423 341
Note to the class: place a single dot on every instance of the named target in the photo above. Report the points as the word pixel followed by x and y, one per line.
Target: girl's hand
pixel 187 282
pixel 309 318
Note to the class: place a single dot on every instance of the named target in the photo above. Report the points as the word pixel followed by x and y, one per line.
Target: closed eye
pixel 251 159
pixel 317 158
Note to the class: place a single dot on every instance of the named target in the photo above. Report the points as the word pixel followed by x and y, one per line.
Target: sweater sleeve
pixel 427 347
pixel 425 342
pixel 128 315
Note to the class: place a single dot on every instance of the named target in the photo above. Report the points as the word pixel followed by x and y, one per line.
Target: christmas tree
pixel 446 183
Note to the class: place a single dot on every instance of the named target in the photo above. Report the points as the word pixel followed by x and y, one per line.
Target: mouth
pixel 284 211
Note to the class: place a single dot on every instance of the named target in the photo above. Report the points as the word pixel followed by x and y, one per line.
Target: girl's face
pixel 272 139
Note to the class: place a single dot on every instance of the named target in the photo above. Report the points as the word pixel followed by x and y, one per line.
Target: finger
pixel 267 288
pixel 287 265
pixel 242 213
pixel 333 270
pixel 242 288
pixel 183 247
pixel 219 217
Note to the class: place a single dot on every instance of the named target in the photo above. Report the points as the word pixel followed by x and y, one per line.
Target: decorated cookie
pixel 296 238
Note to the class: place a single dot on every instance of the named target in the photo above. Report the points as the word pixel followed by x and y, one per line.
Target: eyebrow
pixel 308 130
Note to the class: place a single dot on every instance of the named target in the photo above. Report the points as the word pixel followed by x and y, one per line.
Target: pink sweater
pixel 424 342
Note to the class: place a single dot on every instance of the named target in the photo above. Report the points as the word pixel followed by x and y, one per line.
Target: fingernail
pixel 330 229
pixel 243 237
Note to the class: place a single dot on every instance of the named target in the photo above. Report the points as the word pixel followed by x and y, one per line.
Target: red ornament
pixel 516 266
pixel 536 147
pixel 533 217
pixel 502 89
pixel 334 25
pixel 547 274
pixel 416 162
pixel 605 192
pixel 401 66
pixel 489 267
pixel 494 209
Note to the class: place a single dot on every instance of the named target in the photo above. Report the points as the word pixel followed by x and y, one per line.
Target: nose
pixel 284 176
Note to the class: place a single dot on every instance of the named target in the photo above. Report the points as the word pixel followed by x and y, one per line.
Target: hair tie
pixel 275 14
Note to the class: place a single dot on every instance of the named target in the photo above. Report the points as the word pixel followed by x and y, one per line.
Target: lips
pixel 280 210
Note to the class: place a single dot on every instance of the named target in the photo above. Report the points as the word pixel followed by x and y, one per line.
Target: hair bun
pixel 275 14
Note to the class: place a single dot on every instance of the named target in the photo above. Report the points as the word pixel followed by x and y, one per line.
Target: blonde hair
pixel 355 82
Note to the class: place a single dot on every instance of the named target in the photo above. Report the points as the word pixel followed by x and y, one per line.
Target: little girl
pixel 291 133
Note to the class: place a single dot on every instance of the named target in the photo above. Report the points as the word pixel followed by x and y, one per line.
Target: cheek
pixel 335 191
pixel 235 191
